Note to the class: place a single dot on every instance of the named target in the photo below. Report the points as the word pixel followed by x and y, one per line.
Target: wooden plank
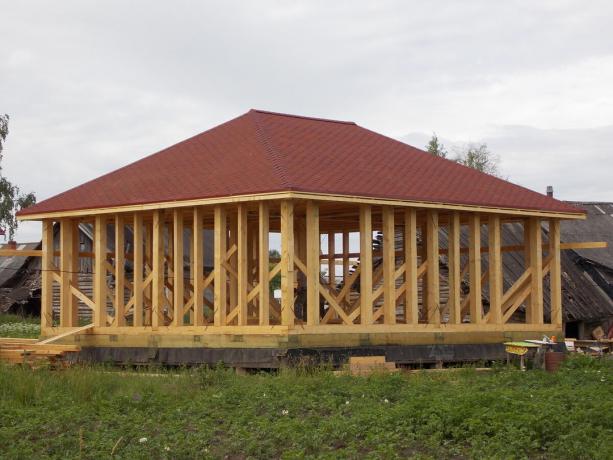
pixel 287 263
pixel 67 312
pixel 65 334
pixel 120 262
pixel 555 272
pixel 46 295
pixel 313 264
pixel 474 270
pixel 197 258
pixel 242 267
pixel 411 302
pixel 454 303
pixel 137 233
pixel 264 264
pixel 100 271
pixel 301 196
pixel 232 259
pixel 366 265
pixel 221 235
pixel 21 253
pixel 178 292
pixel 345 260
pixel 157 299
pixel 536 263
pixel 433 312
pixel 495 270
pixel 389 266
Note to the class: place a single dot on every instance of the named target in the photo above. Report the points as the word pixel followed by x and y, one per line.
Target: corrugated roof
pixel 262 152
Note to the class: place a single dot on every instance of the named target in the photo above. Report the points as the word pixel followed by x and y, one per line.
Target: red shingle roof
pixel 269 152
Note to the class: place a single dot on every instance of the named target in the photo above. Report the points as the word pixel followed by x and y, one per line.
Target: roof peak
pixel 280 114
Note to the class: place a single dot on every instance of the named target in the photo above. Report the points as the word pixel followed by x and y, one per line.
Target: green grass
pixel 19 326
pixel 301 413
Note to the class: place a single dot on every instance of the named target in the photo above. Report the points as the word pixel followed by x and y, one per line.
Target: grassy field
pixel 19 326
pixel 306 413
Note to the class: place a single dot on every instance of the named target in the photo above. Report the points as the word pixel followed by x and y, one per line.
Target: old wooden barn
pixel 182 269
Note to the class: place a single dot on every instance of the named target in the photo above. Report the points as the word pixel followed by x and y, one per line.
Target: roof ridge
pixel 273 155
pixel 281 114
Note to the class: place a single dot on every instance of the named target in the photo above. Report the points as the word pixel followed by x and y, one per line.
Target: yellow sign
pixel 515 350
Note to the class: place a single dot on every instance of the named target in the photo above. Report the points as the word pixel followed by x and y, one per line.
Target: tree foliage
pixel 11 198
pixel 436 148
pixel 476 156
pixel 479 157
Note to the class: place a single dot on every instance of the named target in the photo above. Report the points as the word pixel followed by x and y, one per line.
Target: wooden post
pixel 233 260
pixel 197 261
pixel 287 263
pixel 264 265
pixel 389 266
pixel 495 270
pixel 454 303
pixel 138 269
pixel 157 296
pixel 365 264
pixel 433 283
pixel 46 295
pixel 100 288
pixel 120 262
pixel 331 260
pixel 527 264
pixel 536 263
pixel 555 273
pixel 221 235
pixel 411 302
pixel 346 261
pixel 242 271
pixel 312 262
pixel 149 263
pixel 178 269
pixel 474 268
pixel 67 256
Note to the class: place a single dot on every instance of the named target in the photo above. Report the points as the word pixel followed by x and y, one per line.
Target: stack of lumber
pixel 32 352
pixel 366 365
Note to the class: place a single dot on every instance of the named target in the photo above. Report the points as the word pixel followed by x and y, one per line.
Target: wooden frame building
pixel 360 219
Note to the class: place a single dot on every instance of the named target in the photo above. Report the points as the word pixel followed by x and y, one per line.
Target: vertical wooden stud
pixel 495 270
pixel 474 268
pixel 389 266
pixel 100 288
pixel 312 262
pixel 536 263
pixel 454 303
pixel 432 256
pixel 411 302
pixel 66 266
pixel 197 261
pixel 346 261
pixel 178 269
pixel 366 264
pixel 555 273
pixel 157 296
pixel 331 259
pixel 287 263
pixel 242 271
pixel 46 295
pixel 120 262
pixel 138 269
pixel 221 235
pixel 264 265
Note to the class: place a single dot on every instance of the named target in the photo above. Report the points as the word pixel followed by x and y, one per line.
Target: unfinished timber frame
pixel 352 273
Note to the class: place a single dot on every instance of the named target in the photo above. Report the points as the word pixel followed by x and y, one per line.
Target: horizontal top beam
pixel 301 195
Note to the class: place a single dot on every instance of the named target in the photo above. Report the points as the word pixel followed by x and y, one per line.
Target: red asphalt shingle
pixel 262 152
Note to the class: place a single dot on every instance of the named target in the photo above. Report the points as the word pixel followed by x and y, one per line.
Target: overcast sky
pixel 91 86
